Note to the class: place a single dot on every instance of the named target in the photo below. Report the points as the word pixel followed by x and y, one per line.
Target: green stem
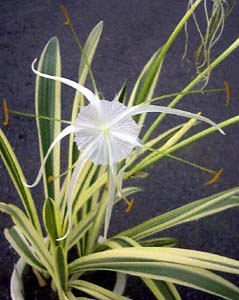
pixel 189 163
pixel 154 157
pixel 37 116
pixel 214 64
pixel 84 56
pixel 165 49
pixel 184 93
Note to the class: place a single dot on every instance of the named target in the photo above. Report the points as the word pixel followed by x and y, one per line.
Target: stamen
pixel 182 160
pixel 6 112
pixel 215 178
pixel 128 202
pixel 130 205
pixel 65 12
pixel 228 94
pixel 50 178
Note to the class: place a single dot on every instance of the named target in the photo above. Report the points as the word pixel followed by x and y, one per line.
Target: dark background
pixel 133 30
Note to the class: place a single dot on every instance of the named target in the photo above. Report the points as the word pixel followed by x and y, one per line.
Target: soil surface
pixel 133 31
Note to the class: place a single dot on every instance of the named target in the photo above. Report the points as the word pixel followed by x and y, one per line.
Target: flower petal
pixel 68 130
pixel 139 109
pixel 83 157
pixel 86 92
pixel 93 123
pixel 74 178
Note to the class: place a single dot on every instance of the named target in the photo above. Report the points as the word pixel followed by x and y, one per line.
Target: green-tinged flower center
pixel 100 122
pixel 105 130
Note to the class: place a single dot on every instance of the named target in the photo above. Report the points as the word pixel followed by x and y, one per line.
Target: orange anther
pixel 50 179
pixel 65 12
pixel 215 178
pixel 6 112
pixel 130 205
pixel 228 94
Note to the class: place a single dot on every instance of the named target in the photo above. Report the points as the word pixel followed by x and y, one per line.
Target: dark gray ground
pixel 133 30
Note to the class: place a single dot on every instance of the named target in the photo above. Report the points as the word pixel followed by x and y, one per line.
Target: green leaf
pixel 81 228
pixel 48 103
pixel 52 220
pixel 159 242
pixel 186 213
pixel 61 268
pixel 97 225
pixel 148 78
pixel 89 51
pixel 22 247
pixel 145 85
pixel 96 291
pixel 26 228
pixel 173 265
pixel 73 297
pixel 155 156
pixel 123 241
pixel 121 95
pixel 193 83
pixel 162 290
pixel 187 257
pixel 128 191
pixel 11 163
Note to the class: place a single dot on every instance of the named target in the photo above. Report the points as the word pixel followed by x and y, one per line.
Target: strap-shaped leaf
pixel 81 228
pixel 193 83
pixel 79 298
pixel 52 220
pixel 26 228
pixel 162 290
pixel 146 83
pixel 122 94
pixel 164 254
pixel 186 213
pixel 159 242
pixel 89 51
pixel 85 63
pixel 148 78
pixel 11 163
pixel 48 103
pixel 22 247
pixel 183 267
pixel 96 291
pixel 61 268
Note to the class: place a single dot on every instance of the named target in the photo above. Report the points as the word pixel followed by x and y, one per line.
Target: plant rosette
pixel 17 289
pixel 106 149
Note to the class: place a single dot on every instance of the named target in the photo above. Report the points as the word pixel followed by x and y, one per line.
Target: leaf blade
pixel 16 174
pixel 48 103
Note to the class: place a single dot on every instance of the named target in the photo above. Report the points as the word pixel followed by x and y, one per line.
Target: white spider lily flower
pixel 106 134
